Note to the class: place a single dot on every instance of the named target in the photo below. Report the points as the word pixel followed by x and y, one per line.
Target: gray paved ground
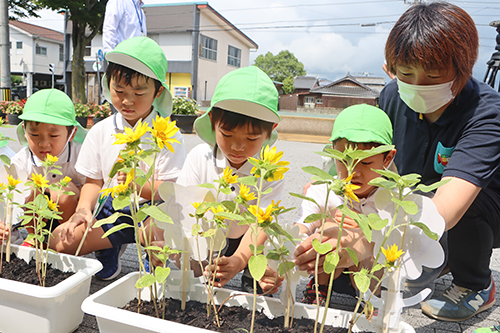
pixel 301 154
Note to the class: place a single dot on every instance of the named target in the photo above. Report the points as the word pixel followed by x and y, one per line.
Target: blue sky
pixel 330 37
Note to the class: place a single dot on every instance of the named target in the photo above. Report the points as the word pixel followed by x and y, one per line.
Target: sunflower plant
pixel 39 214
pixel 128 194
pixel 400 187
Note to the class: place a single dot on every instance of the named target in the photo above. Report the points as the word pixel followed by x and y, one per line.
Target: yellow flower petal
pixel 392 253
pixel 163 131
pixel 131 136
pixel 39 180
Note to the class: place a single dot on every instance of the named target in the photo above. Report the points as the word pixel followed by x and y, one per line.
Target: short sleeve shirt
pixel 27 161
pixel 463 143
pixel 205 164
pixel 98 153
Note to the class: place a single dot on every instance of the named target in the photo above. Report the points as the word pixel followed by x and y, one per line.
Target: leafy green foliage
pixel 280 66
pixel 181 105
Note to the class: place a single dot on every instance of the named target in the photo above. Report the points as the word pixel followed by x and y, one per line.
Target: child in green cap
pixel 49 127
pixel 135 84
pixel 366 127
pixel 240 121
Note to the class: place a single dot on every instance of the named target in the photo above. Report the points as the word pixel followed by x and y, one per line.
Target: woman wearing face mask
pixel 447 126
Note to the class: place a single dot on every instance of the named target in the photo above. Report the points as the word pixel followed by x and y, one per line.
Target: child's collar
pixel 120 123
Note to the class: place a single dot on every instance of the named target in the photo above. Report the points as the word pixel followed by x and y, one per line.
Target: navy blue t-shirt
pixel 464 142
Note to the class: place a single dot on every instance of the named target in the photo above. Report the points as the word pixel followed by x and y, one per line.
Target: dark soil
pixel 233 319
pixel 18 270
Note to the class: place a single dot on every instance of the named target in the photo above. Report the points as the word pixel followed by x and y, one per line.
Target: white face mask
pixel 425 99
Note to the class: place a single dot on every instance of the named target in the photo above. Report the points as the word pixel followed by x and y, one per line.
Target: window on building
pixel 19 45
pixel 61 53
pixel 41 50
pixel 88 50
pixel 233 56
pixel 319 101
pixel 309 100
pixel 208 48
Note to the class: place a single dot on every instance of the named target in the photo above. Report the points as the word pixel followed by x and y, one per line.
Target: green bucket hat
pixel 143 55
pixel 363 123
pixel 50 106
pixel 248 91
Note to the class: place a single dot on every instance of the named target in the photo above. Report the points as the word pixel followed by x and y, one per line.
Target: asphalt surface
pixel 301 154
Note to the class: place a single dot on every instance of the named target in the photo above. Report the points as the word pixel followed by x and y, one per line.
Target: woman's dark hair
pixel 230 120
pixel 118 72
pixel 432 36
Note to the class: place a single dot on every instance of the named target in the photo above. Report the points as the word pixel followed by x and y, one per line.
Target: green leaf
pixel 411 179
pixel 249 181
pixel 145 281
pixel 209 233
pixel 285 267
pixel 195 230
pixel 426 230
pixel 140 181
pixel 318 172
pixel 353 255
pixel 56 172
pixel 229 216
pixel 5 159
pixel 161 273
pixel 321 248
pixel 207 185
pixel 267 191
pixel 389 174
pixel 376 222
pixel 116 167
pixel 273 256
pixel 226 190
pixel 158 214
pixel 121 202
pixel 303 197
pixel 432 187
pixel 409 206
pixel 257 266
pixel 331 262
pixel 364 225
pixel 383 183
pixel 108 220
pixel 362 281
pixel 116 228
pixel 331 153
pixel 313 217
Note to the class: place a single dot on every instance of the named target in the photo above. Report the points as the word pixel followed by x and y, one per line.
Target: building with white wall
pixel 200 44
pixel 32 49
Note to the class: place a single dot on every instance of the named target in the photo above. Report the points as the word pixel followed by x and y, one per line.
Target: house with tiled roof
pixel 200 44
pixel 32 49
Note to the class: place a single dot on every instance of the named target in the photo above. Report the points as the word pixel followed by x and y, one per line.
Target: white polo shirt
pixel 123 19
pixel 318 193
pixel 205 164
pixel 27 161
pixel 98 154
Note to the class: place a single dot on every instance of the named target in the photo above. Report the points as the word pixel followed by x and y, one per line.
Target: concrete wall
pixel 305 126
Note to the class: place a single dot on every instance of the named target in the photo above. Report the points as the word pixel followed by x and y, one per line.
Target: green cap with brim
pixel 50 106
pixel 248 91
pixel 145 56
pixel 363 123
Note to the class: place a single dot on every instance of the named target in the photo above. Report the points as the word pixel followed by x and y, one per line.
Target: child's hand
pixel 121 177
pixel 4 233
pixel 348 222
pixel 83 215
pixel 226 268
pixel 270 282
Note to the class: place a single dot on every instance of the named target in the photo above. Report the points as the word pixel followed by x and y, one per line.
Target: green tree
pixel 87 17
pixel 22 9
pixel 288 86
pixel 280 66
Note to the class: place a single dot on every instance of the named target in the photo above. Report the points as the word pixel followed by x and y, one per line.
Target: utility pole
pixel 5 83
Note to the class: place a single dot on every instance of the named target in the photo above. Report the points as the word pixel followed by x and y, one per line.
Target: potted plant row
pixel 86 111
pixel 13 110
pixel 184 113
pixel 194 223
pixel 27 306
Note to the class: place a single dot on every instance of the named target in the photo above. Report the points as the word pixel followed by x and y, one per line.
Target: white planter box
pixel 29 308
pixel 104 305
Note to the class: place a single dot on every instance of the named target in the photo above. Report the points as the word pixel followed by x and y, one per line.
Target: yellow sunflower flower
pixel 261 215
pixel 350 188
pixel 52 204
pixel 246 194
pixel 51 160
pixel 276 205
pixel 163 130
pixel 65 181
pixel 13 182
pixel 120 188
pixel 392 254
pixel 131 136
pixel 39 180
pixel 228 177
pixel 2 186
pixel 196 204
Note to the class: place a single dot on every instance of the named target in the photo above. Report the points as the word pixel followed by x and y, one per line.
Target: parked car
pixel 19 92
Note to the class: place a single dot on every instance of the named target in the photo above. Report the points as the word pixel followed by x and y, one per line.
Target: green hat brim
pixel 203 127
pixel 79 136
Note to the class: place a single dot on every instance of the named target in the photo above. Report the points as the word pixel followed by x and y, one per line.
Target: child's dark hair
pixel 118 72
pixel 68 128
pixel 231 120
